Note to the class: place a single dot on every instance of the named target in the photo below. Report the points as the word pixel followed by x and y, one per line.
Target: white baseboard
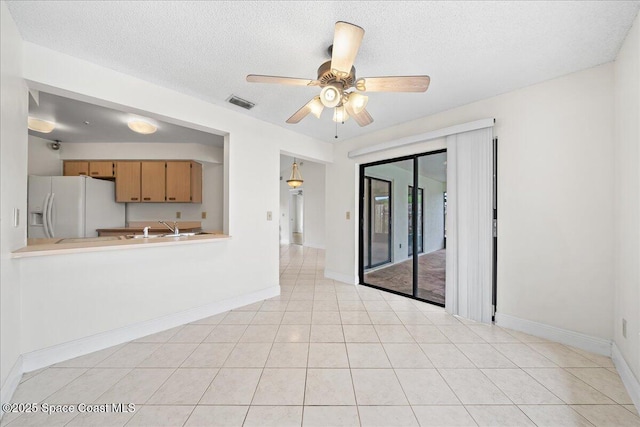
pixel 344 278
pixel 626 374
pixel 65 351
pixel 563 336
pixel 11 383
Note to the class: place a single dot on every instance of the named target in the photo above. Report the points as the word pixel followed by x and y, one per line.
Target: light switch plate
pixel 269 215
pixel 204 215
pixel 178 215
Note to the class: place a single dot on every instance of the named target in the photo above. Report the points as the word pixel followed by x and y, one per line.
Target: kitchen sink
pixel 140 236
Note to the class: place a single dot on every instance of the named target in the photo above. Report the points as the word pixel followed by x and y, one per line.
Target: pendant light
pixel 296 179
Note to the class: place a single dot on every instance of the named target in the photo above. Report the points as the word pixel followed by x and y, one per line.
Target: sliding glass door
pixel 402 237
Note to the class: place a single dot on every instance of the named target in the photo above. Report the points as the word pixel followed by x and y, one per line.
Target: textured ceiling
pixel 471 50
pixel 105 124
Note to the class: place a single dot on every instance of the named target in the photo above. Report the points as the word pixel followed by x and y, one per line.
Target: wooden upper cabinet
pixel 128 181
pixel 153 181
pixel 196 182
pixel 179 181
pixel 101 169
pixel 76 168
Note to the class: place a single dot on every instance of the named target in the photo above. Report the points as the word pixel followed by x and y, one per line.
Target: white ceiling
pixel 105 124
pixel 471 50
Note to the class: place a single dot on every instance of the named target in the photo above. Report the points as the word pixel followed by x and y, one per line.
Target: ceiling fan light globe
pixel 330 96
pixel 358 102
pixel 340 115
pixel 316 107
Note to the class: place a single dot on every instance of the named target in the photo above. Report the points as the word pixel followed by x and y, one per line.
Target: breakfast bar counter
pixel 43 247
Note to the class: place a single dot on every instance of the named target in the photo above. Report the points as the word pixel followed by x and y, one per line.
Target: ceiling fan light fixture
pixel 39 125
pixel 340 114
pixel 316 107
pixel 142 126
pixel 358 102
pixel 330 96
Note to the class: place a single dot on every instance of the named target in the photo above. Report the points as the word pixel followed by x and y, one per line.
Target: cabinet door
pixel 128 182
pixel 102 169
pixel 75 168
pixel 153 181
pixel 196 182
pixel 179 182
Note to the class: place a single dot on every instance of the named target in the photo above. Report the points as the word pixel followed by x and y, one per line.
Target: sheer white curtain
pixel 469 224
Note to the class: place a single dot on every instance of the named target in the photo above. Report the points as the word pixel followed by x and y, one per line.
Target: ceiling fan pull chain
pixel 336 130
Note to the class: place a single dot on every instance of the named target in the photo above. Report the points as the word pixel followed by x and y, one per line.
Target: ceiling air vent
pixel 247 105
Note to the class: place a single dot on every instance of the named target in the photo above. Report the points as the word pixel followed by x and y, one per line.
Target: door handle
pixel 50 215
pixel 45 223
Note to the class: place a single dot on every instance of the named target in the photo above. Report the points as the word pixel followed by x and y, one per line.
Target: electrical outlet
pixel 204 215
pixel 269 215
pixel 624 328
pixel 178 215
pixel 348 215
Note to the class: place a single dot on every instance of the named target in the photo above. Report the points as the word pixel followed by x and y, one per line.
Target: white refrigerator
pixel 71 206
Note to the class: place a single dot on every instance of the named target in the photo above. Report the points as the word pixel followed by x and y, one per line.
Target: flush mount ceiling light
pixel 41 126
pixel 296 179
pixel 338 75
pixel 142 126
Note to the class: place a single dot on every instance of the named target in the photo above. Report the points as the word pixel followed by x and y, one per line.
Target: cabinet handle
pixel 94 173
pixel 82 173
pixel 134 198
pixel 147 198
pixel 172 198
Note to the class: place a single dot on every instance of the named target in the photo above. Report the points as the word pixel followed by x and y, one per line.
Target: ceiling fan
pixel 338 75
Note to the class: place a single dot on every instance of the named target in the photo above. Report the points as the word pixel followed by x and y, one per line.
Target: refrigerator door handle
pixel 50 215
pixel 45 224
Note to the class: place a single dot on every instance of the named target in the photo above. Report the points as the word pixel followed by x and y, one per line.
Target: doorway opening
pixel 296 217
pixel 402 233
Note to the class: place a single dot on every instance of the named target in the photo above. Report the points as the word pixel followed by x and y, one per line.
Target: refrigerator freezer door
pixel 39 191
pixel 102 211
pixel 68 208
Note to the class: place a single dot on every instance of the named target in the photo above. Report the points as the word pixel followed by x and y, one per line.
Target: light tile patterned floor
pixel 325 353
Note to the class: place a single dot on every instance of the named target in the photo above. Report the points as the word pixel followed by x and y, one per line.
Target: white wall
pixel 148 279
pixel 211 158
pixel 555 259
pixel 13 190
pixel 314 176
pixel 43 160
pixel 627 198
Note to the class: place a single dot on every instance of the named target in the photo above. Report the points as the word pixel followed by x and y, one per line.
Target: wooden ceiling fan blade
pixel 293 81
pixel 393 84
pixel 309 107
pixel 346 42
pixel 363 118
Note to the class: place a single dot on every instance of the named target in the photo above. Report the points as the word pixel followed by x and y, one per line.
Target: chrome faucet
pixel 145 232
pixel 174 230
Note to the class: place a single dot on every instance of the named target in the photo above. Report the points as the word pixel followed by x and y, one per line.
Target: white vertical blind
pixel 469 224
